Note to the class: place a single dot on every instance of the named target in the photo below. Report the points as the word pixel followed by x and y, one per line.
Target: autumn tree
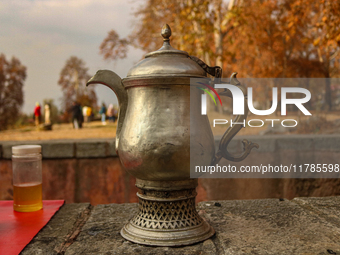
pixel 12 77
pixel 73 78
pixel 256 38
pixel 282 39
pixel 198 26
pixel 325 35
pixel 113 47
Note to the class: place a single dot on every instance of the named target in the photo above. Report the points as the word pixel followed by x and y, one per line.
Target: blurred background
pixel 50 48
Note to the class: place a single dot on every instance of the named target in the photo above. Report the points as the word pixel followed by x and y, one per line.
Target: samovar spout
pixel 114 82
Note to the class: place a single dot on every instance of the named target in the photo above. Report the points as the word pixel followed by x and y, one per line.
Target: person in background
pixel 85 114
pixel 89 113
pixel 109 113
pixel 37 113
pixel 81 119
pixel 103 113
pixel 77 116
pixel 115 114
pixel 47 114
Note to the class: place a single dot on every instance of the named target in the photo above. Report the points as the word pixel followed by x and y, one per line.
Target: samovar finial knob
pixel 166 33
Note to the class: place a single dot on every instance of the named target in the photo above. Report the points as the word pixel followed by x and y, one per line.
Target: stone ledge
pixel 85 148
pixel 58 149
pixel 265 226
pixel 99 148
pixel 91 149
pixel 325 143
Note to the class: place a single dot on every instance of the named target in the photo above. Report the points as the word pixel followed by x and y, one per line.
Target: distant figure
pixel 88 113
pixel 85 114
pixel 115 114
pixel 47 114
pixel 110 113
pixel 37 113
pixel 77 116
pixel 103 113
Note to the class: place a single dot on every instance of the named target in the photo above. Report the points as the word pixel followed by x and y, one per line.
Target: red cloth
pixel 17 229
pixel 37 111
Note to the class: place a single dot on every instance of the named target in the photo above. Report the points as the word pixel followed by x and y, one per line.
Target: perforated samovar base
pixel 167 215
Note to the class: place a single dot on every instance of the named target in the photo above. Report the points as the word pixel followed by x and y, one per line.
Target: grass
pixel 319 123
pixel 61 131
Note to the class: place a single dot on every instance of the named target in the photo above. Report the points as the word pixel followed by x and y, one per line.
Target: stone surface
pixel 326 207
pixel 297 142
pixel 7 148
pixel 326 143
pixel 66 148
pixel 58 149
pixel 269 226
pixel 112 147
pixel 95 148
pixel 51 238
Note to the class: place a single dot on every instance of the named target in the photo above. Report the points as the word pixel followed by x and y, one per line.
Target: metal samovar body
pixel 155 135
pixel 155 145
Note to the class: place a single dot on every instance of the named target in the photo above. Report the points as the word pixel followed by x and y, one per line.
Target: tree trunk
pixel 218 36
pixel 218 41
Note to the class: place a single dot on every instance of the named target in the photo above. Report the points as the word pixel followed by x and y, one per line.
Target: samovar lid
pixel 166 62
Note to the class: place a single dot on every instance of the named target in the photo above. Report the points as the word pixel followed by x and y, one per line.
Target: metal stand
pixel 167 215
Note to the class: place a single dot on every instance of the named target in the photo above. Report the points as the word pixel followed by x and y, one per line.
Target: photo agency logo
pixel 243 100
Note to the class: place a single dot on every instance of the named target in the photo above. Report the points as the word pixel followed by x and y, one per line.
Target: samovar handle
pixel 233 130
pixel 215 71
pixel 222 152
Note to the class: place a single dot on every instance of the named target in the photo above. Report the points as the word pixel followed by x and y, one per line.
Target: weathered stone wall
pixel 76 171
pixel 90 171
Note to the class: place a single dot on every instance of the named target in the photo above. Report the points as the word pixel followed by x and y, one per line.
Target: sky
pixel 43 34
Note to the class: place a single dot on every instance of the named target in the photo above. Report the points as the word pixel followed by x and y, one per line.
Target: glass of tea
pixel 27 178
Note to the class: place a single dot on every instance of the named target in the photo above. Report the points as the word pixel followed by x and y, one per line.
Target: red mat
pixel 17 229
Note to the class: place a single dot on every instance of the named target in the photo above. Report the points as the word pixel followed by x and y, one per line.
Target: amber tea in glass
pixel 27 178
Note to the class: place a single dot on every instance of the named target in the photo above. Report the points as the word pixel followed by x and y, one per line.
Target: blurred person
pixel 89 113
pixel 77 116
pixel 109 113
pixel 115 114
pixel 47 114
pixel 37 113
pixel 103 113
pixel 85 114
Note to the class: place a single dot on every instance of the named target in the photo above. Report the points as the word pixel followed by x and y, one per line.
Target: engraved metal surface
pixel 166 61
pixel 165 217
pixel 166 214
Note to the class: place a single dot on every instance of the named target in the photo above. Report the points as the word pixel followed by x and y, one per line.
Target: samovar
pixel 153 138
